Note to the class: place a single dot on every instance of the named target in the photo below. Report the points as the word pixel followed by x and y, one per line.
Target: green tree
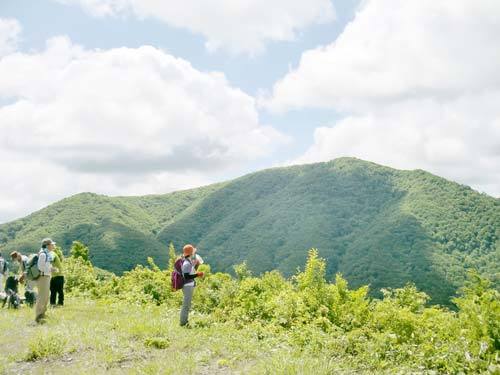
pixel 314 274
pixel 479 310
pixel 79 250
pixel 59 253
pixel 241 270
pixel 171 256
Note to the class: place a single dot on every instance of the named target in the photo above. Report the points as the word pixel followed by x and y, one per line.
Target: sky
pixel 132 97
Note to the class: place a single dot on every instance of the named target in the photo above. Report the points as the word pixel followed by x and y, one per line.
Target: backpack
pixel 32 271
pixel 11 289
pixel 29 298
pixel 176 276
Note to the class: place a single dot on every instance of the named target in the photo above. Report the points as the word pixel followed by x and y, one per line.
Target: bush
pixel 80 276
pixel 321 317
pixel 157 342
pixel 43 346
pixel 142 285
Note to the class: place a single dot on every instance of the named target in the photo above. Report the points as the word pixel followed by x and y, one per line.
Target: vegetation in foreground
pixel 249 324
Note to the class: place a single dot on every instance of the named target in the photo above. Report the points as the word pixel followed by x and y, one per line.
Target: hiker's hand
pixel 200 274
pixel 196 264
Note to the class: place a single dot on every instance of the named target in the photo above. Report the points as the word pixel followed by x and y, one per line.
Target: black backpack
pixel 29 298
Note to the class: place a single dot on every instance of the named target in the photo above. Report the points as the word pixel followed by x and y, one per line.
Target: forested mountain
pixel 120 231
pixel 373 224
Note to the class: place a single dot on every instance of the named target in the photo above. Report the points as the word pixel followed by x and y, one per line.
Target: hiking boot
pixel 40 318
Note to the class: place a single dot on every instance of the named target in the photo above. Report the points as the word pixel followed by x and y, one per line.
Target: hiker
pixel 43 282
pixel 57 281
pixel 11 292
pixel 29 286
pixel 3 271
pixel 189 274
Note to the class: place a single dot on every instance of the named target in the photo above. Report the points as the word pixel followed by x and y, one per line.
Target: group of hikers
pixel 44 271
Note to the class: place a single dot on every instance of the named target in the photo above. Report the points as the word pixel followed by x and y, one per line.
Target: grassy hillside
pixel 373 224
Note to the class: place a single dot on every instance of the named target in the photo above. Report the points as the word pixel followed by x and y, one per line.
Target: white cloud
pixel 30 183
pixel 9 31
pixel 240 26
pixel 458 139
pixel 119 121
pixel 396 51
pixel 418 85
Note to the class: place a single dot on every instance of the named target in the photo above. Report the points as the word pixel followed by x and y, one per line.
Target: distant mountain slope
pixel 121 231
pixel 374 224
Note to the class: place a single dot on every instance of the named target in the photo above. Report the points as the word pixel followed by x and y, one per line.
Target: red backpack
pixel 176 277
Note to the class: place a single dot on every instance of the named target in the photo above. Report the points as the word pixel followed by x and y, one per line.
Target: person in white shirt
pixel 43 282
pixel 16 256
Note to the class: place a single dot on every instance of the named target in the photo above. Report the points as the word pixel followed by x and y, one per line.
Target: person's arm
pixel 198 260
pixel 188 276
pixel 43 264
pixel 22 270
pixel 187 267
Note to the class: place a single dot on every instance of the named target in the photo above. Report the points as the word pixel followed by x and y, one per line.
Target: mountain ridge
pixel 365 219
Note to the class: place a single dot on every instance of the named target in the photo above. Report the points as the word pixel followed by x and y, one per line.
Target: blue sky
pixel 44 19
pixel 396 86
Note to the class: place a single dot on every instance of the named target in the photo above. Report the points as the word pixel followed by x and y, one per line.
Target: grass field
pixel 88 336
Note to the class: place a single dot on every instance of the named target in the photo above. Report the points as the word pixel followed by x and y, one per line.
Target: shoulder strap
pixel 44 251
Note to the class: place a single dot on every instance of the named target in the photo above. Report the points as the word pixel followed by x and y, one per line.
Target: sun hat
pixel 47 241
pixel 188 250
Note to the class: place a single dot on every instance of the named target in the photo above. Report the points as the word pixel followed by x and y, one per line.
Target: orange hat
pixel 188 250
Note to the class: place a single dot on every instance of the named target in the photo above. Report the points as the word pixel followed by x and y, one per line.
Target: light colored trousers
pixel 187 290
pixel 43 284
pixel 2 284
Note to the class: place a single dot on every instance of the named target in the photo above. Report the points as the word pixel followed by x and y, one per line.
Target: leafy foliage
pixel 79 250
pixel 312 315
pixel 45 346
pixel 253 317
pixel 157 342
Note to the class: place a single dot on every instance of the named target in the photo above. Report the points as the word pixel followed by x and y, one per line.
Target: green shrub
pixel 311 314
pixel 479 317
pixel 80 276
pixel 157 342
pixel 45 346
pixel 142 285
